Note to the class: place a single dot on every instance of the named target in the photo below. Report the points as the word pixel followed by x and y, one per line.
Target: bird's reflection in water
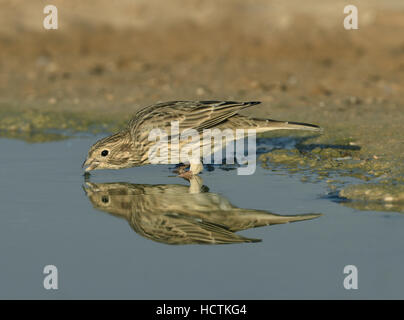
pixel 180 214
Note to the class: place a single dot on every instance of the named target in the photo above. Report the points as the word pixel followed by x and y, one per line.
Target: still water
pixel 143 233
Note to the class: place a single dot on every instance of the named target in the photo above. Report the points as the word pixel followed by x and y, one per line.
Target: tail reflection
pixel 178 214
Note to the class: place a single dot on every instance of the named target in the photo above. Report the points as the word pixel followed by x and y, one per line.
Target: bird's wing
pixel 196 115
pixel 179 229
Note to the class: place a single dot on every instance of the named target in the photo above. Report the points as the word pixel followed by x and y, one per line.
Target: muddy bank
pixel 352 178
pixel 94 72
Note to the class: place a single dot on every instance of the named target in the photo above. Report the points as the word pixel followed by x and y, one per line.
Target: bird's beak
pixel 85 190
pixel 89 188
pixel 90 164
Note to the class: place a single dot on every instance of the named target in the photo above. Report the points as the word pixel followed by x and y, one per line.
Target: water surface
pixel 47 218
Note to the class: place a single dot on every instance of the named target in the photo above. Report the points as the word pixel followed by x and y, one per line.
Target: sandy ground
pixel 105 61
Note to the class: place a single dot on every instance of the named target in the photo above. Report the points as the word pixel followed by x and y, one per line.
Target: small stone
pixel 97 70
pixel 255 84
pixel 200 91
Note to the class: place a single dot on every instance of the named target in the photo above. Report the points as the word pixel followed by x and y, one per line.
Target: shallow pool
pixel 101 233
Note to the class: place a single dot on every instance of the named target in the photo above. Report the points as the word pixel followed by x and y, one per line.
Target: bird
pixel 180 214
pixel 131 146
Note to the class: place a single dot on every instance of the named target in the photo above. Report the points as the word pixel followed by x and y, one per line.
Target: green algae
pixel 374 196
pixel 34 125
pixel 383 179
pixel 372 192
pixel 374 206
pixel 34 137
pixel 321 161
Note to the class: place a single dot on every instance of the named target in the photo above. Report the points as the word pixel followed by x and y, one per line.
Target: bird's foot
pixel 181 169
pixel 186 175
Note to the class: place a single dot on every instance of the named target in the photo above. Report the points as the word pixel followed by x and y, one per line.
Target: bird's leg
pixel 181 169
pixel 195 184
pixel 187 175
pixel 194 169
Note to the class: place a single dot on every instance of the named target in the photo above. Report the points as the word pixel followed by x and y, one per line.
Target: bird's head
pixel 113 152
pixel 114 198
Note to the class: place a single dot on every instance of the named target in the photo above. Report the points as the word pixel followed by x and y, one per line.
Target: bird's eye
pixel 104 153
pixel 105 199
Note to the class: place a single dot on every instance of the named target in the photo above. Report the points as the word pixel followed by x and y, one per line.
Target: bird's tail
pixel 263 125
pixel 250 218
pixel 276 125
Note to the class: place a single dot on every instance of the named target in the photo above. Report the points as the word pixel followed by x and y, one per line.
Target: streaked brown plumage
pixel 130 147
pixel 176 214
